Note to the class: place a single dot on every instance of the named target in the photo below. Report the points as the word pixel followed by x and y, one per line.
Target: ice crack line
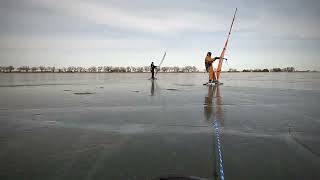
pixel 218 143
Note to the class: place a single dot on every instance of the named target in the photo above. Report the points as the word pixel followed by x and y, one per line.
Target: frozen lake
pixel 124 126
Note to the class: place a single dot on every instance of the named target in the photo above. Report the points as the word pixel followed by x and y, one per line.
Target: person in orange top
pixel 209 68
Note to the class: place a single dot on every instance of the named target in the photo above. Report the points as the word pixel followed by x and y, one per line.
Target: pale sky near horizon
pixel 267 34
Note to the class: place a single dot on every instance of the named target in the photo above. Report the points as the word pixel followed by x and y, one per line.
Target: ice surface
pixel 130 127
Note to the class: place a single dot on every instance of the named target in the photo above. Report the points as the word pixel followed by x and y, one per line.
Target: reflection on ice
pixel 213 105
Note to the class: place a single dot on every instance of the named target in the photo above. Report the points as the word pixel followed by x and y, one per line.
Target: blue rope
pixel 217 131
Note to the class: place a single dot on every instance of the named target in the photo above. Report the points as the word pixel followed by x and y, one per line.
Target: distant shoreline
pixel 144 72
pixel 131 69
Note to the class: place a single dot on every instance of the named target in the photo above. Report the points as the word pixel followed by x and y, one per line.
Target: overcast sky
pixel 274 33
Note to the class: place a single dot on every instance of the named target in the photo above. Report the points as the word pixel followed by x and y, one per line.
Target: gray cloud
pixel 187 28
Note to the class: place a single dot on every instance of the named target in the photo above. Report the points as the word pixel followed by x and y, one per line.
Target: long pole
pixel 225 47
pixel 164 56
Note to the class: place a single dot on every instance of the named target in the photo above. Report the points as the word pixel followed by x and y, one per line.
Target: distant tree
pixel 232 70
pixel 34 69
pixel 276 70
pixel 50 69
pixel 139 69
pixel 164 69
pixel 20 69
pixel 92 69
pixel 100 68
pixel 176 69
pixel 107 68
pixel 292 69
pixel 10 68
pixel 42 68
pixel 80 69
pixel 257 70
pixel 111 68
pixel 71 69
pixel 289 69
pixel 194 69
pixel 147 69
pixel 187 69
pixel 26 68
pixel 23 69
pixel 128 69
pixel 3 69
pixel 119 69
pixel 123 69
pixel 265 70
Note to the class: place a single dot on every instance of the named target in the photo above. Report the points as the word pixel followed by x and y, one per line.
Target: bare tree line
pixel 287 69
pixel 95 69
pixel 128 69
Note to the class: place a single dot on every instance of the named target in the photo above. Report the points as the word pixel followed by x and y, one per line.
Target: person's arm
pixel 215 58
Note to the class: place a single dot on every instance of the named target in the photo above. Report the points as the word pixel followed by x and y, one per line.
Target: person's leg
pixel 152 76
pixel 211 73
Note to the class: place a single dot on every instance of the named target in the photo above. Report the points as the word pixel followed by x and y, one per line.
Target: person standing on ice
pixel 209 68
pixel 152 68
